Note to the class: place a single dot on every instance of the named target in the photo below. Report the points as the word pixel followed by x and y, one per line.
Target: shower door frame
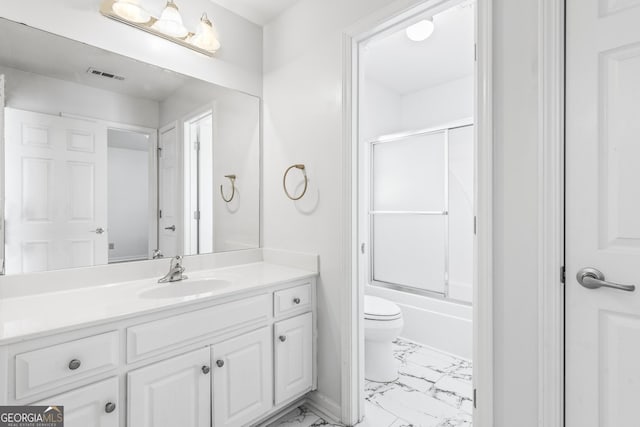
pixel 399 137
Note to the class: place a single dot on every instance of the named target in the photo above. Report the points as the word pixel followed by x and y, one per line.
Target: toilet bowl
pixel 382 324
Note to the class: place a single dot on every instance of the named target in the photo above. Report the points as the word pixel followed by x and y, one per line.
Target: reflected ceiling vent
pixel 104 74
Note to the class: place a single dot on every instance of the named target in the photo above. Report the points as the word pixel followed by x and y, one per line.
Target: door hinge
pixel 475 225
pixel 475 52
pixel 160 213
pixel 196 145
pixel 159 151
pixel 475 399
pixel 563 274
pixel 362 246
pixel 196 215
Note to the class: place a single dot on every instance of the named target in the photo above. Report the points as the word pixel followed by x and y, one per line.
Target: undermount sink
pixel 185 288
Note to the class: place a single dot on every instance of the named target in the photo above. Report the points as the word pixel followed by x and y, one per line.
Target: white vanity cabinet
pixel 242 378
pixel 293 357
pixel 230 361
pixel 175 392
pixel 95 405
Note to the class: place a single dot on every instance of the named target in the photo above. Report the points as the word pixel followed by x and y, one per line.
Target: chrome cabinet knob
pixel 109 407
pixel 205 369
pixel 282 338
pixel 592 278
pixel 296 300
pixel 74 364
pixel 220 363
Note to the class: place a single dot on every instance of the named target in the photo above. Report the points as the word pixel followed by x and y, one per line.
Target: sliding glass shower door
pixel 409 212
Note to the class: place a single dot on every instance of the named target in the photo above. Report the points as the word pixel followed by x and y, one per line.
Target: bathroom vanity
pixel 226 347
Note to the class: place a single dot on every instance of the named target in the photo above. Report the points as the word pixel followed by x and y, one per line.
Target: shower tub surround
pixel 434 390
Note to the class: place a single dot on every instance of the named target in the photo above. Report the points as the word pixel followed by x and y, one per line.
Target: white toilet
pixel 382 324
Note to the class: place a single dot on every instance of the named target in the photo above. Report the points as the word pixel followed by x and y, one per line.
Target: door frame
pixel 551 53
pixel 551 198
pixel 353 336
pixel 152 133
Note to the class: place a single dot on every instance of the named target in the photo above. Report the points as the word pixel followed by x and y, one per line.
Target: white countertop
pixel 30 316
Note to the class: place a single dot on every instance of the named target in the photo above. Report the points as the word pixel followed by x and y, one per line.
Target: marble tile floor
pixel 433 390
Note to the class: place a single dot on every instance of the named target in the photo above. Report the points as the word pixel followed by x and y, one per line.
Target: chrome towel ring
pixel 306 181
pixel 232 178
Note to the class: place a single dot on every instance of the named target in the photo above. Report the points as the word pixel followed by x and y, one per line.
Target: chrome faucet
pixel 175 271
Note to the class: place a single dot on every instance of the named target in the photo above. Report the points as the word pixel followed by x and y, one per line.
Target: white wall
pixel 42 94
pixel 303 122
pixel 437 105
pixel 128 203
pixel 237 65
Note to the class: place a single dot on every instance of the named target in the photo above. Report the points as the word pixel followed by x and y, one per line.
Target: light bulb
pixel 131 11
pixel 206 37
pixel 170 22
pixel 420 31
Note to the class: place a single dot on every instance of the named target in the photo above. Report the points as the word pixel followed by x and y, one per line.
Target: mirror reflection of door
pixel 132 209
pixel 56 192
pixel 168 191
pixel 198 179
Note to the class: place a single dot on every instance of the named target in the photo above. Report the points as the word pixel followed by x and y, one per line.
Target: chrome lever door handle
pixel 172 228
pixel 98 230
pixel 592 278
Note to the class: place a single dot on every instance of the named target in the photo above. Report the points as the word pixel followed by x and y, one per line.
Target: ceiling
pixel 405 66
pixel 46 54
pixel 257 11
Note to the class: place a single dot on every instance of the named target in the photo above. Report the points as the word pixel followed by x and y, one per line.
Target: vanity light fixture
pixel 169 25
pixel 170 22
pixel 131 11
pixel 420 31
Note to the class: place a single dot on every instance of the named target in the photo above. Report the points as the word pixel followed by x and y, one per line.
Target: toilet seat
pixel 379 309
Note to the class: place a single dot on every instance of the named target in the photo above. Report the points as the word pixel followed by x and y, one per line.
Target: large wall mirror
pixel 108 160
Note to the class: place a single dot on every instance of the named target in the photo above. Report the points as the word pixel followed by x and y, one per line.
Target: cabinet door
pixel 242 379
pixel 95 405
pixel 294 357
pixel 175 392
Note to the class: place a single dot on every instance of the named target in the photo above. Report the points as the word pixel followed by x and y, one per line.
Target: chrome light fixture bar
pixel 169 25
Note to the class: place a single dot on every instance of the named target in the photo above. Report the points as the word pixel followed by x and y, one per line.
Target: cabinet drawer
pixel 61 364
pixel 292 300
pixel 164 335
pixel 93 405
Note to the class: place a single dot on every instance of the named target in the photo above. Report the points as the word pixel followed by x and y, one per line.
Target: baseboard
pixel 324 406
pixel 282 412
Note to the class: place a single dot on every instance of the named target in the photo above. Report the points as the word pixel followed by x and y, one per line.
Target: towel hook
pixel 232 178
pixel 306 181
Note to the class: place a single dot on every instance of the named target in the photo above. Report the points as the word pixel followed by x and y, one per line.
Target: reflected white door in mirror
pixel 231 356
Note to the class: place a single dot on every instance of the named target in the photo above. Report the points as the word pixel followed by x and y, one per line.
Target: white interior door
pixel 603 212
pixel 56 192
pixel 169 203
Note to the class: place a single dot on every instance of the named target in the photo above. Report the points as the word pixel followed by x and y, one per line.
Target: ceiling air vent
pixel 104 74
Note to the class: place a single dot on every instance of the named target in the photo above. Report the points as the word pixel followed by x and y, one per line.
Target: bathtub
pixel 438 323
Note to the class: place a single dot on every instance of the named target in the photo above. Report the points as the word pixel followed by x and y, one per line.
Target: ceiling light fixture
pixel 420 31
pixel 169 25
